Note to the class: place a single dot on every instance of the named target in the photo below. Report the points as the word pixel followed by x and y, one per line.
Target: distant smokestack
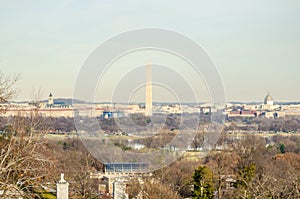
pixel 149 92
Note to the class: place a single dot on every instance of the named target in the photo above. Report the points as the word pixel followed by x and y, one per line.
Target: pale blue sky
pixel 255 44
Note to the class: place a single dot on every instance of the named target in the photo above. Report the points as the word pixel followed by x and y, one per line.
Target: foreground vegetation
pixel 245 169
pixel 248 168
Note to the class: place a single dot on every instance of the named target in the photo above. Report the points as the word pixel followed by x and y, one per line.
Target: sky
pixel 255 44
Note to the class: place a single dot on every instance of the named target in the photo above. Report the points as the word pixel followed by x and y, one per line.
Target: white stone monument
pixel 148 91
pixel 62 188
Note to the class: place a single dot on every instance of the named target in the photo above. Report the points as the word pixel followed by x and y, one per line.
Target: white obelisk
pixel 62 188
pixel 148 92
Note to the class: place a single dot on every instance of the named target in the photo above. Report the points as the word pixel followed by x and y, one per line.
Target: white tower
pixel 50 99
pixel 148 92
pixel 62 188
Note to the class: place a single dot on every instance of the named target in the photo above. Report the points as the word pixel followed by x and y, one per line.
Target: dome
pixel 268 99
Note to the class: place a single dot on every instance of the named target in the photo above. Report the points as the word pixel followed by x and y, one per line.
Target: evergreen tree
pixel 282 148
pixel 246 175
pixel 203 183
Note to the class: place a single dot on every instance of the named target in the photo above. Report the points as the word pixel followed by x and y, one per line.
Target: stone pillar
pixel 62 188
pixel 119 190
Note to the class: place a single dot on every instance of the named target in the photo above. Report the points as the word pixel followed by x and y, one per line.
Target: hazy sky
pixel 254 44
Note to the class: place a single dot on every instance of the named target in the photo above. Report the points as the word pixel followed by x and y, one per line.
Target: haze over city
pixel 255 45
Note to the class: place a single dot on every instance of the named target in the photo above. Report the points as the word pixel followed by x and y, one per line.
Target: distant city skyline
pixel 254 44
pixel 60 99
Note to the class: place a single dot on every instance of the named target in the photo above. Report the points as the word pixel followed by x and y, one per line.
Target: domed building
pixel 268 106
pixel 269 100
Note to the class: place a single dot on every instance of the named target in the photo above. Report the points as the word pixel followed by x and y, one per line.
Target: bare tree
pixel 133 188
pixel 72 158
pixel 23 164
pixel 7 90
pixel 179 176
pixel 23 159
pixel 152 189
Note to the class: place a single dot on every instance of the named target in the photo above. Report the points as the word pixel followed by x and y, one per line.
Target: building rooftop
pixel 138 167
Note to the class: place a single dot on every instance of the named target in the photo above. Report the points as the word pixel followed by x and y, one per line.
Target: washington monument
pixel 148 91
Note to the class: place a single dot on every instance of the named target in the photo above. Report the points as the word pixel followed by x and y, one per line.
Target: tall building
pixel 50 99
pixel 148 91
